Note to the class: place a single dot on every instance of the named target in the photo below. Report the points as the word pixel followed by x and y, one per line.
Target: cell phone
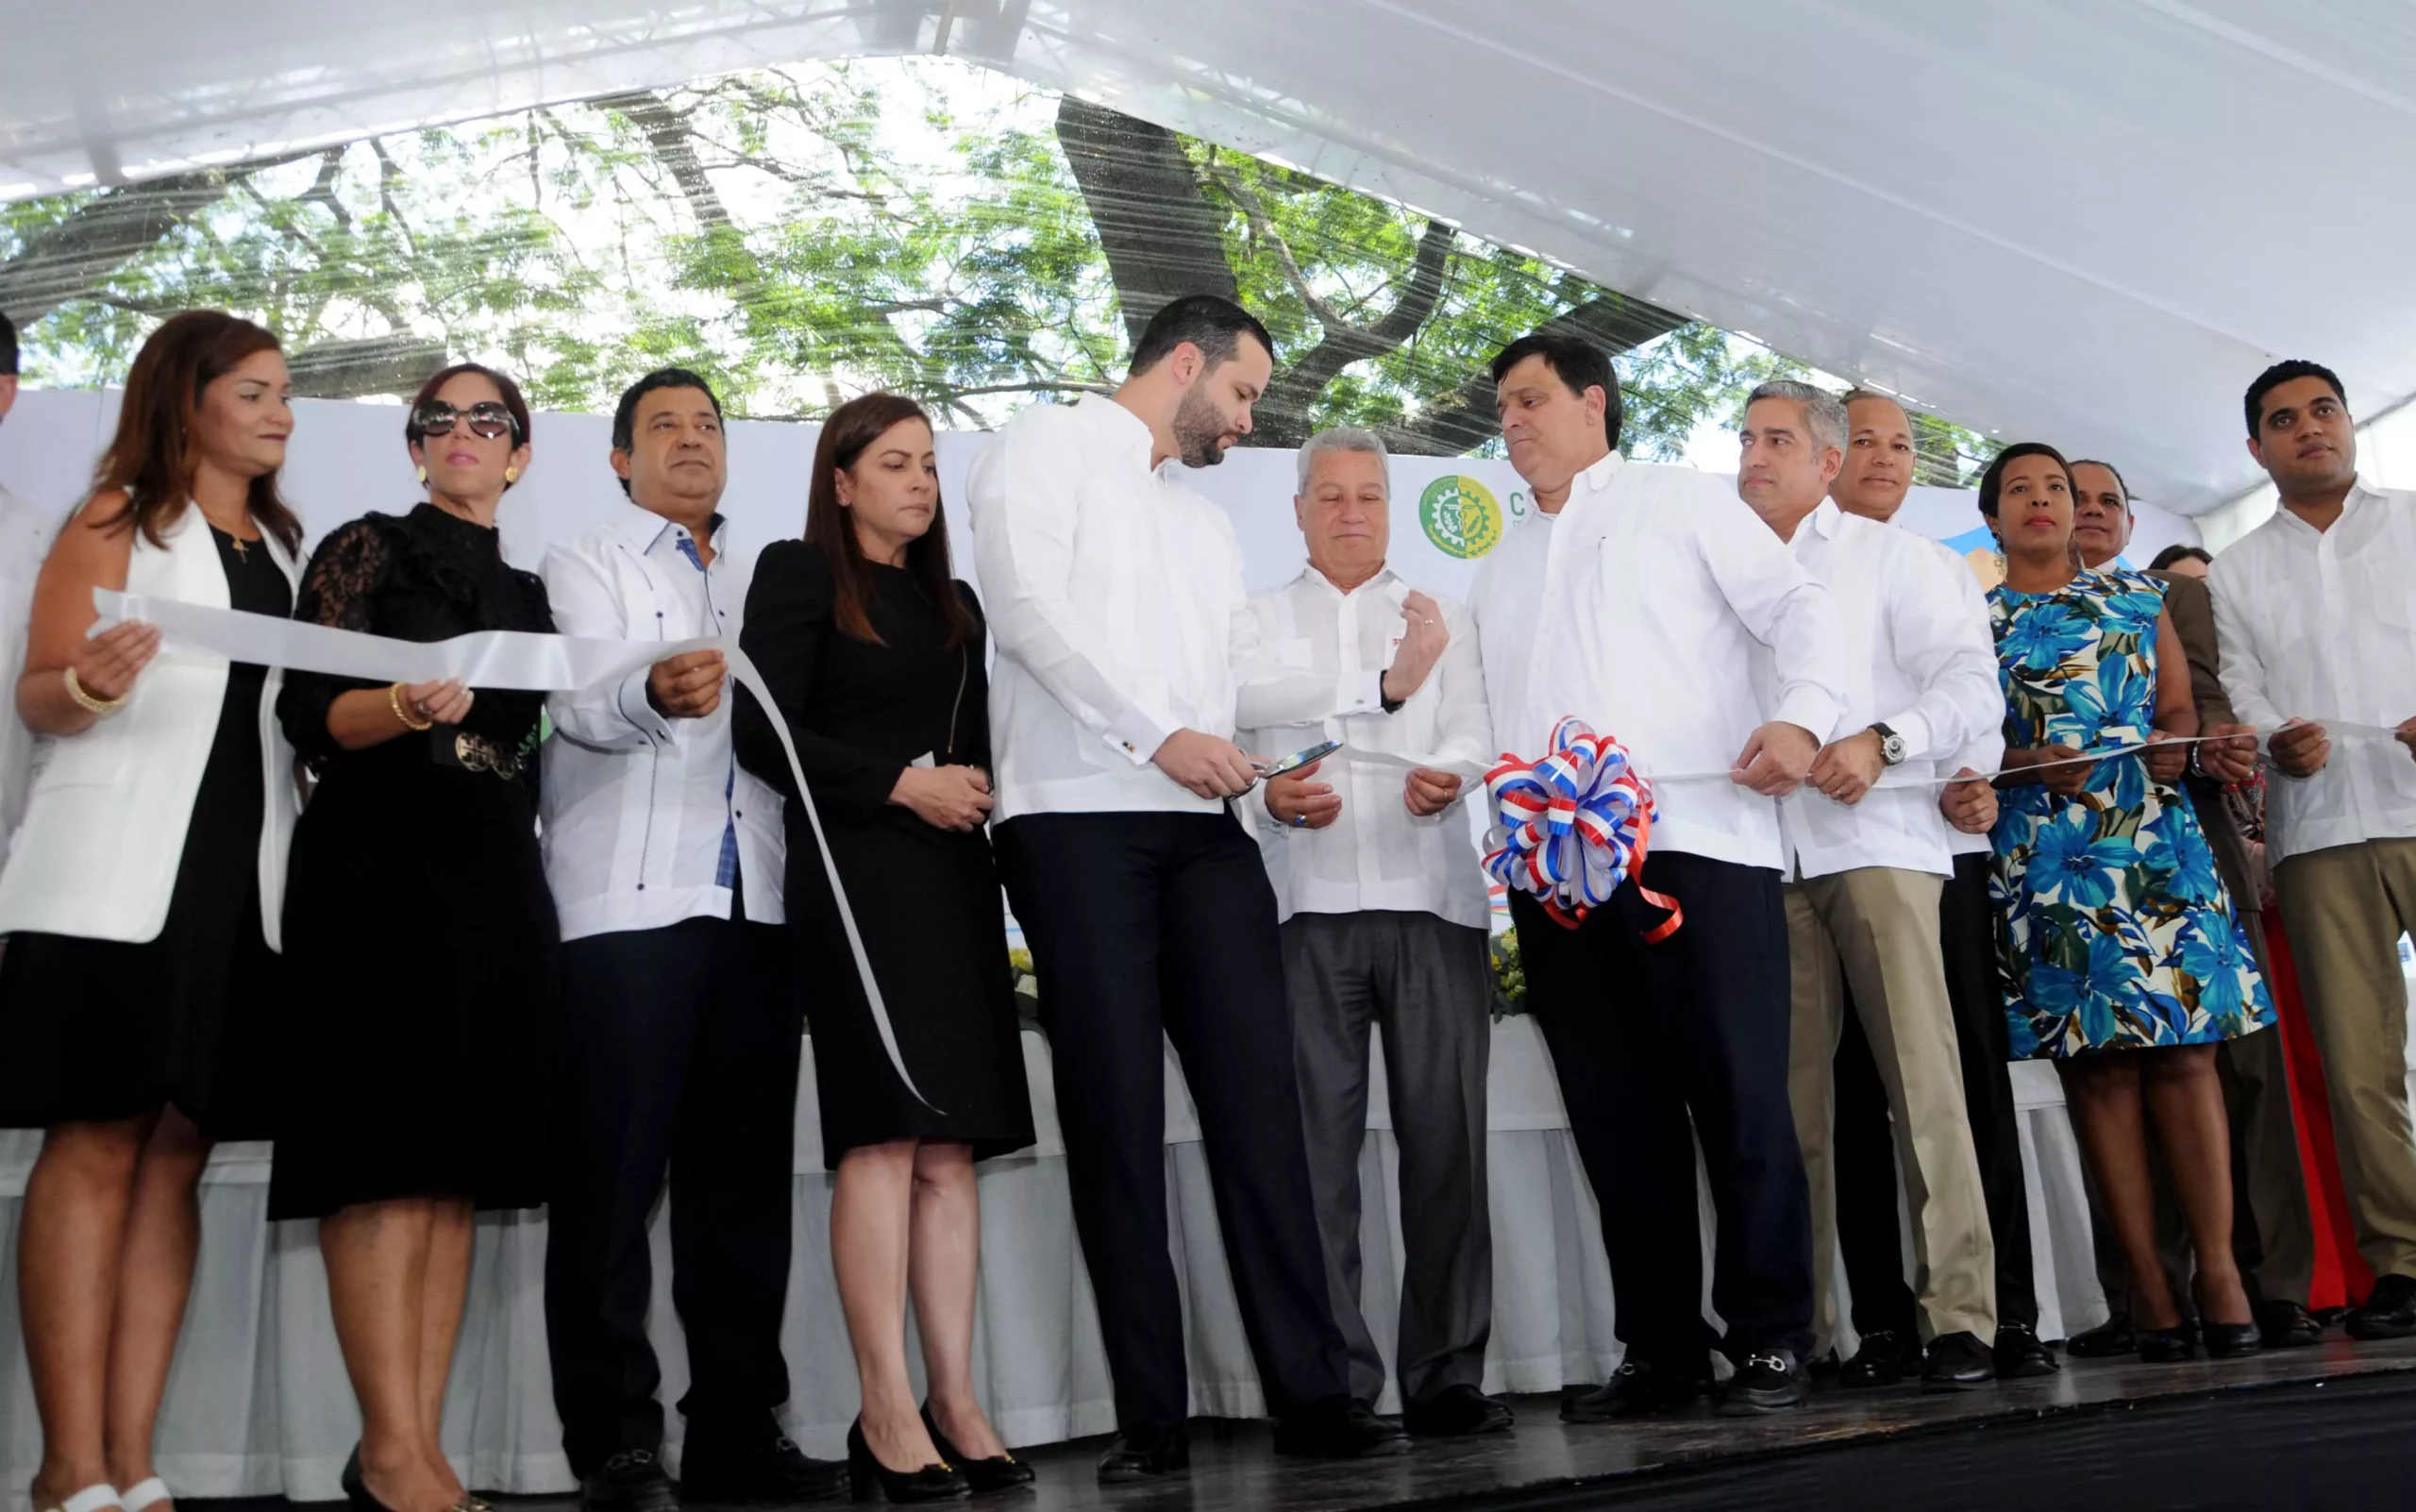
pixel 1298 759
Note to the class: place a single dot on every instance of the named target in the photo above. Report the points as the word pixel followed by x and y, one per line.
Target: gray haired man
pixel 1385 917
pixel 1866 864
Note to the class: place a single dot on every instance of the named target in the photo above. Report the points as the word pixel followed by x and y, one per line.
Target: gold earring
pixel 511 475
pixel 422 474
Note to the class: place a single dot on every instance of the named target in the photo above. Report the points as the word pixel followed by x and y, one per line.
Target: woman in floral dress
pixel 2123 959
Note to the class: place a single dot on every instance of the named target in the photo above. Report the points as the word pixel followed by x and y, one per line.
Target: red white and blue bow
pixel 1575 824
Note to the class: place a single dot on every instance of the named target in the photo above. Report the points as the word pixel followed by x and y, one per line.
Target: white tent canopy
pixel 2090 220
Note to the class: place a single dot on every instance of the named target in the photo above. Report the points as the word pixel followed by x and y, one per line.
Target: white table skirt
pixel 258 1404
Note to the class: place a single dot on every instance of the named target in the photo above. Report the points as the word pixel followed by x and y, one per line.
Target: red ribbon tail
pixel 1667 927
pixel 1565 919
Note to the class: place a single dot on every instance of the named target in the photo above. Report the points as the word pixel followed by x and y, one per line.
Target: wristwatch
pixel 1891 745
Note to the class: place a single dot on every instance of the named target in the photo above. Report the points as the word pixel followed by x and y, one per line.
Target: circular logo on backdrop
pixel 1460 516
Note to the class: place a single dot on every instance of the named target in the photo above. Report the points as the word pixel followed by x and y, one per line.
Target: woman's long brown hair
pixel 152 457
pixel 853 426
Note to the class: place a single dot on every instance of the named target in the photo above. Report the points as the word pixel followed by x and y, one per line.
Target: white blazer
pixel 104 832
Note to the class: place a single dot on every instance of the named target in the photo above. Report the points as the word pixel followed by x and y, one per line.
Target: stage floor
pixel 2328 1426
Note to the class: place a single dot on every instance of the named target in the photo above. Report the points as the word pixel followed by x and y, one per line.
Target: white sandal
pixel 90 1499
pixel 139 1495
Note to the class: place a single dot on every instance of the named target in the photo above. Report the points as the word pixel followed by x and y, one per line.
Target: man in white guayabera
pixel 1639 610
pixel 1867 864
pixel 2315 613
pixel 1115 593
pixel 1385 917
pixel 681 1031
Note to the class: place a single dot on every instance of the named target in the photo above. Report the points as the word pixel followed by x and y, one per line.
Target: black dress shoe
pixel 1639 1388
pixel 924 1483
pixel 2388 1312
pixel 1000 1473
pixel 752 1462
pixel 2285 1325
pixel 1880 1362
pixel 2167 1346
pixel 2020 1353
pixel 630 1481
pixel 1456 1412
pixel 1146 1453
pixel 2106 1341
pixel 1957 1362
pixel 1337 1428
pixel 1768 1381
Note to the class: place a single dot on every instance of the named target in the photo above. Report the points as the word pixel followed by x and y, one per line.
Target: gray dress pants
pixel 1421 982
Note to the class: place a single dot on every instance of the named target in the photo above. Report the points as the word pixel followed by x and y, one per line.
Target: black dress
pixel 420 940
pixel 926 899
pixel 103 1029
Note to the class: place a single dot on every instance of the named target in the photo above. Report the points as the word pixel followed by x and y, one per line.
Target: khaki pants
pixel 2344 908
pixel 1876 930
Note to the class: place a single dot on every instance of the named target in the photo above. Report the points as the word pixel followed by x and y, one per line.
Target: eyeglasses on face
pixel 485 418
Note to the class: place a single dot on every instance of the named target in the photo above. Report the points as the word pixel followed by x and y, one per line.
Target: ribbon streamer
pixel 1575 824
pixel 516 659
pixel 2338 731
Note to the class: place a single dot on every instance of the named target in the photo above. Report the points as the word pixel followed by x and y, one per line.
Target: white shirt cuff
pixel 1917 731
pixel 1809 708
pixel 1363 694
pixel 632 702
pixel 1137 736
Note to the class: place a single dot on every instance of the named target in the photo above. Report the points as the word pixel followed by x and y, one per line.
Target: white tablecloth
pixel 258 1402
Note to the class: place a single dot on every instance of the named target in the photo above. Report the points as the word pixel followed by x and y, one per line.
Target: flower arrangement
pixel 1027 986
pixel 1509 975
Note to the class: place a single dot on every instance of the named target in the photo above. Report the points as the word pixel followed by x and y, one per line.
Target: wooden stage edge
pixel 2102 1433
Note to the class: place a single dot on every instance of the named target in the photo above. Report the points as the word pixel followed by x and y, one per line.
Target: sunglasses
pixel 486 418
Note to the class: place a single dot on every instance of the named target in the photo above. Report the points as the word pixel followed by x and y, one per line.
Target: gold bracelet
pixel 395 701
pixel 84 699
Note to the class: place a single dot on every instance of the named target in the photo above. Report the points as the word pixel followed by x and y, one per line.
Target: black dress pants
pixel 1655 1048
pixel 678 1049
pixel 1869 1237
pixel 1148 927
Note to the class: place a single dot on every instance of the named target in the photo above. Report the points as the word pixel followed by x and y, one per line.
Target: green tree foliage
pixel 803 237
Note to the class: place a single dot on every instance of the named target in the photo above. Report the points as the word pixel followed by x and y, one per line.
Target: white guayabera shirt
pixel 1924 666
pixel 2322 624
pixel 1321 659
pixel 1661 585
pixel 1115 598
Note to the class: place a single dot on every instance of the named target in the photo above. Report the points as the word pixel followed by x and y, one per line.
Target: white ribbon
pixel 2340 731
pixel 514 660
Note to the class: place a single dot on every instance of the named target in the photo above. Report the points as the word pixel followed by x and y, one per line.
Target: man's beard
pixel 1199 431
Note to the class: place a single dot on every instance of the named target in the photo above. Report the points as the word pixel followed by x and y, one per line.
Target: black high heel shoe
pixel 2227 1341
pixel 356 1490
pixel 1001 1473
pixel 2165 1346
pixel 870 1478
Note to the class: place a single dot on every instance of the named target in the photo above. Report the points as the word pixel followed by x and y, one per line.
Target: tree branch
pixel 62 262
pixel 1161 237
pixel 1289 397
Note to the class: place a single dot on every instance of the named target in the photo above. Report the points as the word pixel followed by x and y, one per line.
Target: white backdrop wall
pixel 347 459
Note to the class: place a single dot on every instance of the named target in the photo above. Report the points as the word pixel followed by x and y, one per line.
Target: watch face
pixel 1891 749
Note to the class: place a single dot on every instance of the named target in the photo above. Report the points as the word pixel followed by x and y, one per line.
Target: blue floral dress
pixel 2118 933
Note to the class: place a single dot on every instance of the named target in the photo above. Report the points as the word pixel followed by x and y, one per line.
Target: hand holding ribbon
pixel 1574 825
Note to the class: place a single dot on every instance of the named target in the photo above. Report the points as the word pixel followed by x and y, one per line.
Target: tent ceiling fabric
pixel 2090 220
